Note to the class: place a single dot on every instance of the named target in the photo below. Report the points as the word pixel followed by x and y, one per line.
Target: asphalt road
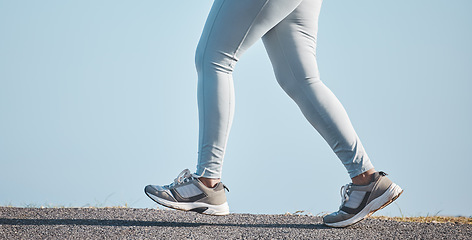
pixel 130 223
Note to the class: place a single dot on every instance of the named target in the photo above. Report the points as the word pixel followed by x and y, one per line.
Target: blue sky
pixel 98 99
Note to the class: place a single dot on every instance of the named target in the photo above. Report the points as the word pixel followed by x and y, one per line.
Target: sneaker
pixel 187 193
pixel 361 201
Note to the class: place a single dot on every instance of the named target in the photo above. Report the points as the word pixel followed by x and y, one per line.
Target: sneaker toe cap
pixel 159 192
pixel 336 217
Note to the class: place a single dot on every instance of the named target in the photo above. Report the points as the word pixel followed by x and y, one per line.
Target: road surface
pixel 130 223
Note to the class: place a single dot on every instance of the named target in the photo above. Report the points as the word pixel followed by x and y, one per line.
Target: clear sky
pixel 98 99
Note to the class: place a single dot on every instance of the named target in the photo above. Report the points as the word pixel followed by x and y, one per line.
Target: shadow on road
pixel 120 223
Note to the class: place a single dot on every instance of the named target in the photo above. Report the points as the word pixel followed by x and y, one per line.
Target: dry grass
pixel 429 219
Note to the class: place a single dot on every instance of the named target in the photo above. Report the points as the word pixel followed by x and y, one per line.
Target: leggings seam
pixel 232 64
pixel 203 83
pixel 247 32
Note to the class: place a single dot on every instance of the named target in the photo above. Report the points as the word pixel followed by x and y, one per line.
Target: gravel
pixel 131 223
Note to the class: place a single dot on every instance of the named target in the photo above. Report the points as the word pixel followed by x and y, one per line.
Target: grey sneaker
pixel 361 201
pixel 187 193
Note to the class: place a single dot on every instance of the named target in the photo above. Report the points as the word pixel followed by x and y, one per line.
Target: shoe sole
pixel 392 193
pixel 199 207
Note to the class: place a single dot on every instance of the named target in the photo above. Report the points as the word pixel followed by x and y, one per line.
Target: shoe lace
pixel 345 194
pixel 183 177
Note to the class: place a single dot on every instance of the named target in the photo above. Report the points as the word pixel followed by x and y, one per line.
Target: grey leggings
pixel 288 29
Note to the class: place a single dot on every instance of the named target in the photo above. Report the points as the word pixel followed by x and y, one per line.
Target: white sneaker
pixel 361 201
pixel 187 193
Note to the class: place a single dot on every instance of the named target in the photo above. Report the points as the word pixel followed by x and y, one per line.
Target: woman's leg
pixel 231 28
pixel 291 46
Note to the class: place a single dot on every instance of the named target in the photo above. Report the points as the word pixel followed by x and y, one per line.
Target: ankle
pixel 209 182
pixel 363 178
